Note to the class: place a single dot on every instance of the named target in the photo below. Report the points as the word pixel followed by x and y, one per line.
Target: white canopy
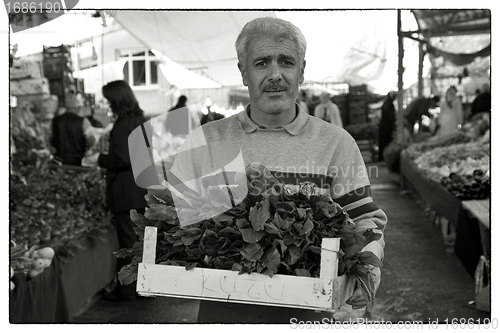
pixel 339 48
pixel 202 41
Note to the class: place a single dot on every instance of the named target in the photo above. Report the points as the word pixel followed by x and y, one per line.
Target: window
pixel 140 69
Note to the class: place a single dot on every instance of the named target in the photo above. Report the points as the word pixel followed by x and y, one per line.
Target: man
pixel 276 133
pixel 417 108
pixel 328 111
pixel 72 134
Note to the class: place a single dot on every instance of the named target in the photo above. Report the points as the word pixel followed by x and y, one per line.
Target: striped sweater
pixel 308 149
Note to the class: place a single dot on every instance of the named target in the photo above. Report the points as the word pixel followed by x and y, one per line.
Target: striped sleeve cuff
pixel 358 202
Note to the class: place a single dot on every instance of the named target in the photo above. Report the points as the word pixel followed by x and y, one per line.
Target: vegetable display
pixel 50 206
pixel 459 161
pixel 274 230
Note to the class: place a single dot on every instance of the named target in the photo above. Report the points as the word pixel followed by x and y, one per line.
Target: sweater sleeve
pixel 351 189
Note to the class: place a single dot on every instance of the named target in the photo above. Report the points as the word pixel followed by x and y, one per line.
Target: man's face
pixel 272 73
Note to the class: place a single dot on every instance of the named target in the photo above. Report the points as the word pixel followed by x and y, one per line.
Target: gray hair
pixel 273 27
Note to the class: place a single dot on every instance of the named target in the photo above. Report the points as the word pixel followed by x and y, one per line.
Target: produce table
pixel 89 270
pixel 468 246
pixel 58 293
pixel 480 209
pixel 40 300
pixel 434 194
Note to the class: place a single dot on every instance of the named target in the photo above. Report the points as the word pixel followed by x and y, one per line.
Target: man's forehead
pixel 266 46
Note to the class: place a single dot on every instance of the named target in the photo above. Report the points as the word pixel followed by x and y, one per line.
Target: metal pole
pixel 400 122
pixel 420 69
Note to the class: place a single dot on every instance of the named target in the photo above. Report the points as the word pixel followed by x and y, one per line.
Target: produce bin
pixel 468 243
pixel 326 293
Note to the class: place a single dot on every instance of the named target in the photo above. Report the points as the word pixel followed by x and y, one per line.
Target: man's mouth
pixel 275 89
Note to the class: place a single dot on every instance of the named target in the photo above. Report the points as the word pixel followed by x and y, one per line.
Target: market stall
pixel 452 175
pixel 57 209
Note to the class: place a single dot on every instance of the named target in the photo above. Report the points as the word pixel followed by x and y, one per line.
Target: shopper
pixel 417 108
pixel 72 134
pixel 328 111
pixel 276 133
pixel 451 114
pixel 122 192
pixel 482 103
pixel 181 103
pixel 387 124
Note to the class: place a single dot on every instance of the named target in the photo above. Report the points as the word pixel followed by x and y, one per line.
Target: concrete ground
pixel 420 280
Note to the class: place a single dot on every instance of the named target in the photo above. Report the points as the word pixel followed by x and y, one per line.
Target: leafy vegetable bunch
pixel 56 207
pixel 272 231
pixel 50 206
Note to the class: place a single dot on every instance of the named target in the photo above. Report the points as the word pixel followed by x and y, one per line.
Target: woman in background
pixel 122 192
pixel 387 124
pixel 451 114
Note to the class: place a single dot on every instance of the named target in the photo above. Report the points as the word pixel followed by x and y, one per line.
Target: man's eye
pixel 260 64
pixel 287 63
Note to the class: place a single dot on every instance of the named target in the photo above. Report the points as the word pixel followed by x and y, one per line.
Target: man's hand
pixel 358 300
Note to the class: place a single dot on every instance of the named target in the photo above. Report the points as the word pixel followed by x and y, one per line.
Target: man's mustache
pixel 275 87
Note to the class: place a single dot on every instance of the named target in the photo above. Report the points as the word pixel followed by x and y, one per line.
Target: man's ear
pixel 301 79
pixel 243 74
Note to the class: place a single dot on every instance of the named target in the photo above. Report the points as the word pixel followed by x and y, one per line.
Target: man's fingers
pixel 357 300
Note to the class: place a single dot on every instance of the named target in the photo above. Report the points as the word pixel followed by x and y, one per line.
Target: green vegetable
pixel 267 233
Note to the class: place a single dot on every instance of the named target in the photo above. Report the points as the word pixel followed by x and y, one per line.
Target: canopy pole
pixel 420 69
pixel 400 118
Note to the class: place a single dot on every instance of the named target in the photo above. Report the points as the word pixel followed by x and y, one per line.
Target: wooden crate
pixel 327 293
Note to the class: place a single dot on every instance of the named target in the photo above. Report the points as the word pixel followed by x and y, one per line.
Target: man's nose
pixel 274 73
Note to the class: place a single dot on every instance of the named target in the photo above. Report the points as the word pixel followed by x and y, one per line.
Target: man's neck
pixel 273 120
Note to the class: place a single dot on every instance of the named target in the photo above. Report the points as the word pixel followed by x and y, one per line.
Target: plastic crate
pixel 51 51
pixel 56 67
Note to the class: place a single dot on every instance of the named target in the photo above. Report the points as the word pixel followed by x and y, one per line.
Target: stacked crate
pixel 341 102
pixel 357 101
pixel 58 69
pixel 357 104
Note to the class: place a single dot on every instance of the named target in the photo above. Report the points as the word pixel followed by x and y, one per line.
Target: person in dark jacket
pixel 122 192
pixel 72 134
pixel 417 108
pixel 482 103
pixel 387 124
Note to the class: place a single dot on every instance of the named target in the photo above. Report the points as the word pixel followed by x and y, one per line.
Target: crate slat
pixel 149 249
pixel 328 292
pixel 229 286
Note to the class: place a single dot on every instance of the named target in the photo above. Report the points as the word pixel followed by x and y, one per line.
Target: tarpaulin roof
pixel 201 41
pixel 459 36
pixel 452 22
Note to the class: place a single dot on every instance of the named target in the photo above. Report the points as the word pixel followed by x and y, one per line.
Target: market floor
pixel 420 280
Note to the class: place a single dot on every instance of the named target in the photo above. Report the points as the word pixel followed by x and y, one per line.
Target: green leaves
pixel 268 234
pixel 272 260
pixel 369 258
pixel 251 236
pixel 161 193
pixel 259 214
pixel 160 212
pixel 252 252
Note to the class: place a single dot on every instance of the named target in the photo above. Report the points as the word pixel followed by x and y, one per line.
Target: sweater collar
pixel 296 127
